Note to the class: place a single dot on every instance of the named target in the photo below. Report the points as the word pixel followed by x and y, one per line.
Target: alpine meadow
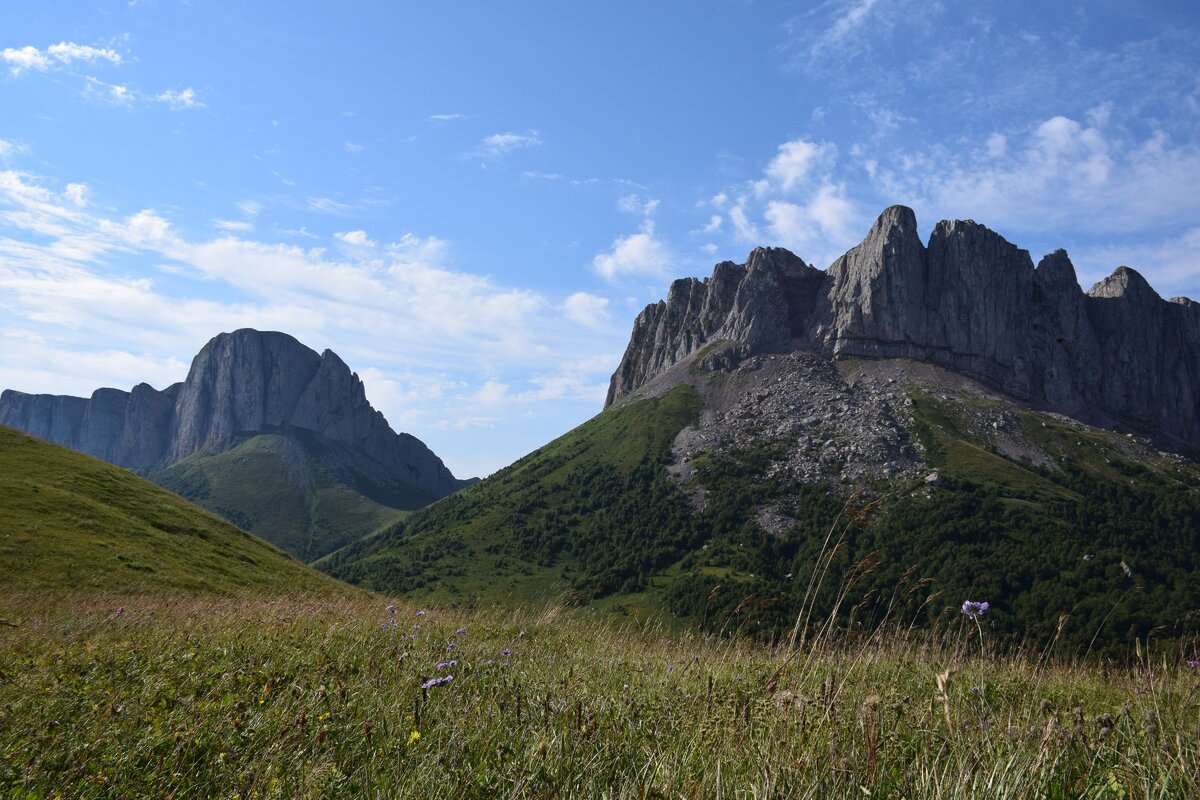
pixel 719 399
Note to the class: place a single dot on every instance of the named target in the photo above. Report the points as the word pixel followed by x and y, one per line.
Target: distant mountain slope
pixel 69 522
pixel 938 485
pixel 242 384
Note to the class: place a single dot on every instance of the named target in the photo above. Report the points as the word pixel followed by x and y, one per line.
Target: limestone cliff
pixel 240 383
pixel 968 301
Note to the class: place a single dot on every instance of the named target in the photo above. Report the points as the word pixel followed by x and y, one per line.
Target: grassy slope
pixel 456 549
pixel 291 698
pixel 69 522
pixel 589 513
pixel 300 508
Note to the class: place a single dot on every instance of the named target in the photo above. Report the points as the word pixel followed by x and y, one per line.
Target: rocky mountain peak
pixel 968 300
pixel 240 383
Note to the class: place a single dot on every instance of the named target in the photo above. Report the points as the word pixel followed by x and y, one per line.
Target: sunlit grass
pixel 155 696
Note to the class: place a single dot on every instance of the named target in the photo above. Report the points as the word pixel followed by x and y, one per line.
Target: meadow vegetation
pixel 305 696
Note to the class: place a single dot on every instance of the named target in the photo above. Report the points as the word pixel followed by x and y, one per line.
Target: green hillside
pixel 277 486
pixel 584 513
pixel 69 522
pixel 1088 553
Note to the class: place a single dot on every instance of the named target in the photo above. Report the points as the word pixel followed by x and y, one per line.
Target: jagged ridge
pixel 969 301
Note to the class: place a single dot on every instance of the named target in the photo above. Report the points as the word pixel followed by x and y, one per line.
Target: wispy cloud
pixel 446 117
pixel 499 145
pixel 589 310
pixel 179 100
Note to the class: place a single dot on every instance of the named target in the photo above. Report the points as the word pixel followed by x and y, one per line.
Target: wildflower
pixel 975 690
pixel 421 613
pixel 413 737
pixel 391 609
pixel 506 652
pixel 432 682
pixel 521 635
pixel 446 665
pixel 1192 663
pixel 461 632
pixel 450 647
pixel 670 668
pixel 974 609
pixel 121 611
pixel 1126 569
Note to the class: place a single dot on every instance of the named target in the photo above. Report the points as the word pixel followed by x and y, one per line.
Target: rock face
pixel 243 382
pixel 967 301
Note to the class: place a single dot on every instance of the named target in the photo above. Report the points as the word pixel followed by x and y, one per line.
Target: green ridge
pixel 69 522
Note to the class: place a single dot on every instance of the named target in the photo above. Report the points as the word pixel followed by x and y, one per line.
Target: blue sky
pixel 471 201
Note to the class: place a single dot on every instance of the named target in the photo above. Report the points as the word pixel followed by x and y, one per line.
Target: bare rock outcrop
pixel 968 301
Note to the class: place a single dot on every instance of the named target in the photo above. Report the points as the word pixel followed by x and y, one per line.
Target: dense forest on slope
pixel 1089 554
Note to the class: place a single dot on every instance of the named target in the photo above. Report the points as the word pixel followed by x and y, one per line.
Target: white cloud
pixel 637 254
pixel 794 163
pixel 179 100
pixel 996 145
pixel 819 229
pixel 446 117
pixel 8 148
pixel 31 58
pixel 355 238
pixel 28 57
pixel 352 147
pixel 713 225
pixel 634 204
pixel 66 52
pixel 589 310
pixel 113 94
pixel 499 145
pixel 77 194
pixel 250 208
pixel 1061 175
pixel 234 226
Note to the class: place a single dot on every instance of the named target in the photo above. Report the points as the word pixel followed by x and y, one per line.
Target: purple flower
pixel 670 668
pixel 391 609
pixel 1192 663
pixel 442 681
pixel 461 632
pixel 975 690
pixel 121 611
pixel 506 652
pixel 974 609
pixel 450 647
pixel 421 613
pixel 521 635
pixel 446 665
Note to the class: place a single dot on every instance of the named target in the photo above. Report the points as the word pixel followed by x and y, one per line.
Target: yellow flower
pixel 412 737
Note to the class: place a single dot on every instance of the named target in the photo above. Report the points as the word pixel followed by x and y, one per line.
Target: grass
pixel 71 522
pixel 161 696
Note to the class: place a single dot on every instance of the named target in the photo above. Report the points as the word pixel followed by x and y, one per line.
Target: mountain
pixel 919 424
pixel 258 409
pixel 968 301
pixel 69 522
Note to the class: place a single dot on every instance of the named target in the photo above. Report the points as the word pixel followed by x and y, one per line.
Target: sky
pixel 470 202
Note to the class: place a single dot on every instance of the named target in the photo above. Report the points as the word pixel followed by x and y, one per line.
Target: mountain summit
pixel 967 301
pixel 252 397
